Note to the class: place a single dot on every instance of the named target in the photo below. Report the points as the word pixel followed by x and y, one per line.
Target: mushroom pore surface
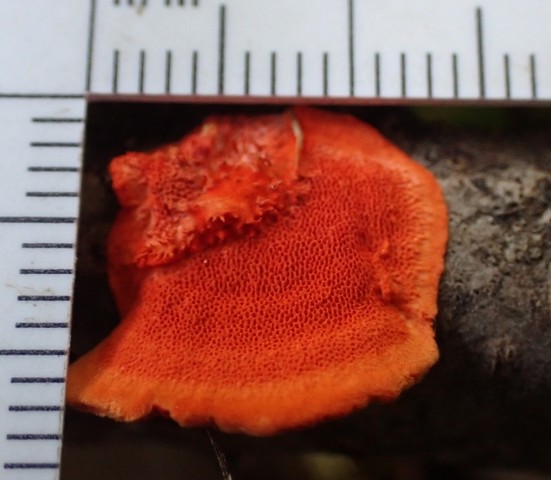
pixel 270 272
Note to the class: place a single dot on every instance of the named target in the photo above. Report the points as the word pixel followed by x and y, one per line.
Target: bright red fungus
pixel 271 272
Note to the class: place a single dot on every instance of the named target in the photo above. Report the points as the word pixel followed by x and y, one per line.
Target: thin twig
pixel 220 457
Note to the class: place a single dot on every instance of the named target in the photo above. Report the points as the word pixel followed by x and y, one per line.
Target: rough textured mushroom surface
pixel 271 272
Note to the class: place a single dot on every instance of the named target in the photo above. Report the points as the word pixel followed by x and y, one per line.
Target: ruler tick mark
pixel 403 75
pixel 247 73
pixel 37 380
pixel 378 74
pixel 52 194
pixel 56 144
pixel 56 120
pixel 221 48
pixel 32 353
pixel 351 65
pixel 47 245
pixel 429 75
pixel 46 271
pixel 325 74
pixel 29 466
pixel 41 96
pixel 115 76
pixel 44 298
pixel 41 325
pixel 194 68
pixel 168 70
pixel 37 219
pixel 141 80
pixel 299 74
pixel 33 436
pixel 507 73
pixel 533 77
pixel 455 75
pixel 273 73
pixel 35 408
pixel 480 51
pixel 53 169
pixel 90 46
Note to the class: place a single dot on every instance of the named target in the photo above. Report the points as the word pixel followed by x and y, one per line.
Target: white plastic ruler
pixel 56 55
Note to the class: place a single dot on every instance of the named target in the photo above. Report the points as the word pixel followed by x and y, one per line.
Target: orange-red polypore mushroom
pixel 271 272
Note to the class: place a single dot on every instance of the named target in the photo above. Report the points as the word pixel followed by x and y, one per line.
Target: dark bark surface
pixel 483 412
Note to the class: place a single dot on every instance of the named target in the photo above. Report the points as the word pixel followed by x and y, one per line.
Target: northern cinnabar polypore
pixel 271 272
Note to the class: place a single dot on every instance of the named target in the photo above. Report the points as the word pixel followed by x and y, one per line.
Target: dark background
pixel 483 412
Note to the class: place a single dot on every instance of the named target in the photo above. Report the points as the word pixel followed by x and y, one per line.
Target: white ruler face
pixel 55 55
pixel 386 50
pixel 39 169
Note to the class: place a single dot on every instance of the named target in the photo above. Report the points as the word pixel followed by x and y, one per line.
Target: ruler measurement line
pixel 194 71
pixel 221 48
pixel 429 74
pixel 273 73
pixel 41 325
pixel 57 120
pixel 351 40
pixel 325 74
pixel 115 74
pixel 507 74
pixel 403 75
pixel 480 53
pixel 33 353
pixel 42 96
pixel 46 271
pixel 455 75
pixel 168 71
pixel 43 298
pixel 51 194
pixel 247 73
pixel 47 245
pixel 37 380
pixel 37 219
pixel 54 169
pixel 29 466
pixel 35 408
pixel 299 74
pixel 533 77
pixel 90 45
pixel 56 144
pixel 141 72
pixel 33 436
pixel 377 74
